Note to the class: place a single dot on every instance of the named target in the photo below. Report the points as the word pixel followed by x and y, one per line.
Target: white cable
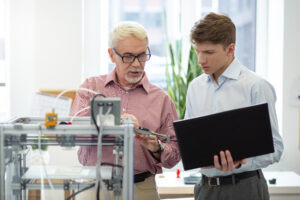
pixel 99 158
pixel 108 110
pixel 104 118
pixel 68 90
pixel 79 112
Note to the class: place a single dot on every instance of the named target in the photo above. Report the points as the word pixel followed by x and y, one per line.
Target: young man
pixel 150 105
pixel 225 85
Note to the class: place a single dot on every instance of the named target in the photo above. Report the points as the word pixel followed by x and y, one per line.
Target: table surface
pixel 287 182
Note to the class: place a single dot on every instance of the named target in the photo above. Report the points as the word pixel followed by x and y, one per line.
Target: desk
pixel 287 185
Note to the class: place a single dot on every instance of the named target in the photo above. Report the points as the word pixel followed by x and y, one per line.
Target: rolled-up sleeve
pixel 170 156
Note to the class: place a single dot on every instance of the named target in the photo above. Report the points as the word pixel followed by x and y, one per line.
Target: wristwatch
pixel 161 147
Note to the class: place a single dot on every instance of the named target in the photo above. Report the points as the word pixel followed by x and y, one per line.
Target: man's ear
pixel 231 49
pixel 111 55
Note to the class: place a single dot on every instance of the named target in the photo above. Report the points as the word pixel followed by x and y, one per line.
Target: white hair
pixel 126 29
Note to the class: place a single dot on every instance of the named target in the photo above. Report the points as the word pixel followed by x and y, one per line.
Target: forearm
pixel 170 156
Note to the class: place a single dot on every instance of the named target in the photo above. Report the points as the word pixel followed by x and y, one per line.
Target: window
pixel 151 15
pixel 243 14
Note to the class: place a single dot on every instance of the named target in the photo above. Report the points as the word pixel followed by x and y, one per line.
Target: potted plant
pixel 179 77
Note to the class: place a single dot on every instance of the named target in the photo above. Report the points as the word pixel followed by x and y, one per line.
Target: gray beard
pixel 133 80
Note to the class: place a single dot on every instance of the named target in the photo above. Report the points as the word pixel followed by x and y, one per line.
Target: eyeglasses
pixel 143 57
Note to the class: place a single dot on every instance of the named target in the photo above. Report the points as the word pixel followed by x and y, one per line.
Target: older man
pixel 151 106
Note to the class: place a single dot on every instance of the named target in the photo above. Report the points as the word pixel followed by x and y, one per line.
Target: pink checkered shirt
pixel 153 108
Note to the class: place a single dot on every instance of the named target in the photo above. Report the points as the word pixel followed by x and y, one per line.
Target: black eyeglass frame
pixel 133 56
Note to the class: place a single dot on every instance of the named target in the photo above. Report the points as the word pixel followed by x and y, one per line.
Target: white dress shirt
pixel 238 87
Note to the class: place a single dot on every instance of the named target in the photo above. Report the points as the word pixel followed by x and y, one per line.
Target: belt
pixel 141 177
pixel 231 179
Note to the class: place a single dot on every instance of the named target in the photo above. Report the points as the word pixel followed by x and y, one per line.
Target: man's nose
pixel 201 59
pixel 136 62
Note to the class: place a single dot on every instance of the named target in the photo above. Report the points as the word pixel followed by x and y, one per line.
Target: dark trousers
pixel 252 188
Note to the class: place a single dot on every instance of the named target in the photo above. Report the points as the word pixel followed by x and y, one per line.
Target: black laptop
pixel 245 132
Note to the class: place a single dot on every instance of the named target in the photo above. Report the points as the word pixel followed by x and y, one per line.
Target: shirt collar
pixel 232 72
pixel 112 77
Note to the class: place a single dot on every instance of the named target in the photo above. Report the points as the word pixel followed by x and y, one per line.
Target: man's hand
pixel 134 119
pixel 150 142
pixel 227 163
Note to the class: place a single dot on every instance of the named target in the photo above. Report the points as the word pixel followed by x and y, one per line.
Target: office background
pixel 46 44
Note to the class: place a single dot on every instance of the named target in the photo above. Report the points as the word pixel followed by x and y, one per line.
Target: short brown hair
pixel 215 28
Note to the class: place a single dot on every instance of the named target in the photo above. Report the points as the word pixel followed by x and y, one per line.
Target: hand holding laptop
pixel 227 163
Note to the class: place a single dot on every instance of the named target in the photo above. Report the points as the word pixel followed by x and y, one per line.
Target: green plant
pixel 177 78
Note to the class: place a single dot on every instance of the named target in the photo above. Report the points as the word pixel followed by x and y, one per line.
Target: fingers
pixel 244 161
pixel 223 165
pixel 139 136
pixel 134 119
pixel 216 162
pixel 145 137
pixel 224 162
pixel 239 162
pixel 227 163
pixel 230 162
pixel 208 167
pixel 150 142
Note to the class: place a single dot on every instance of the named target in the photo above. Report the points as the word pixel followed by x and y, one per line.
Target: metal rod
pixel 58 186
pixel 2 165
pixel 128 174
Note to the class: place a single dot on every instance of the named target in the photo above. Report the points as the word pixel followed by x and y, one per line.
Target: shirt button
pixel 126 92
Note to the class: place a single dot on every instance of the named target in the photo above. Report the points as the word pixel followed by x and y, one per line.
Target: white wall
pixel 291 71
pixel 46 53
pixel 21 55
pixel 46 48
pixel 45 39
pixel 58 41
